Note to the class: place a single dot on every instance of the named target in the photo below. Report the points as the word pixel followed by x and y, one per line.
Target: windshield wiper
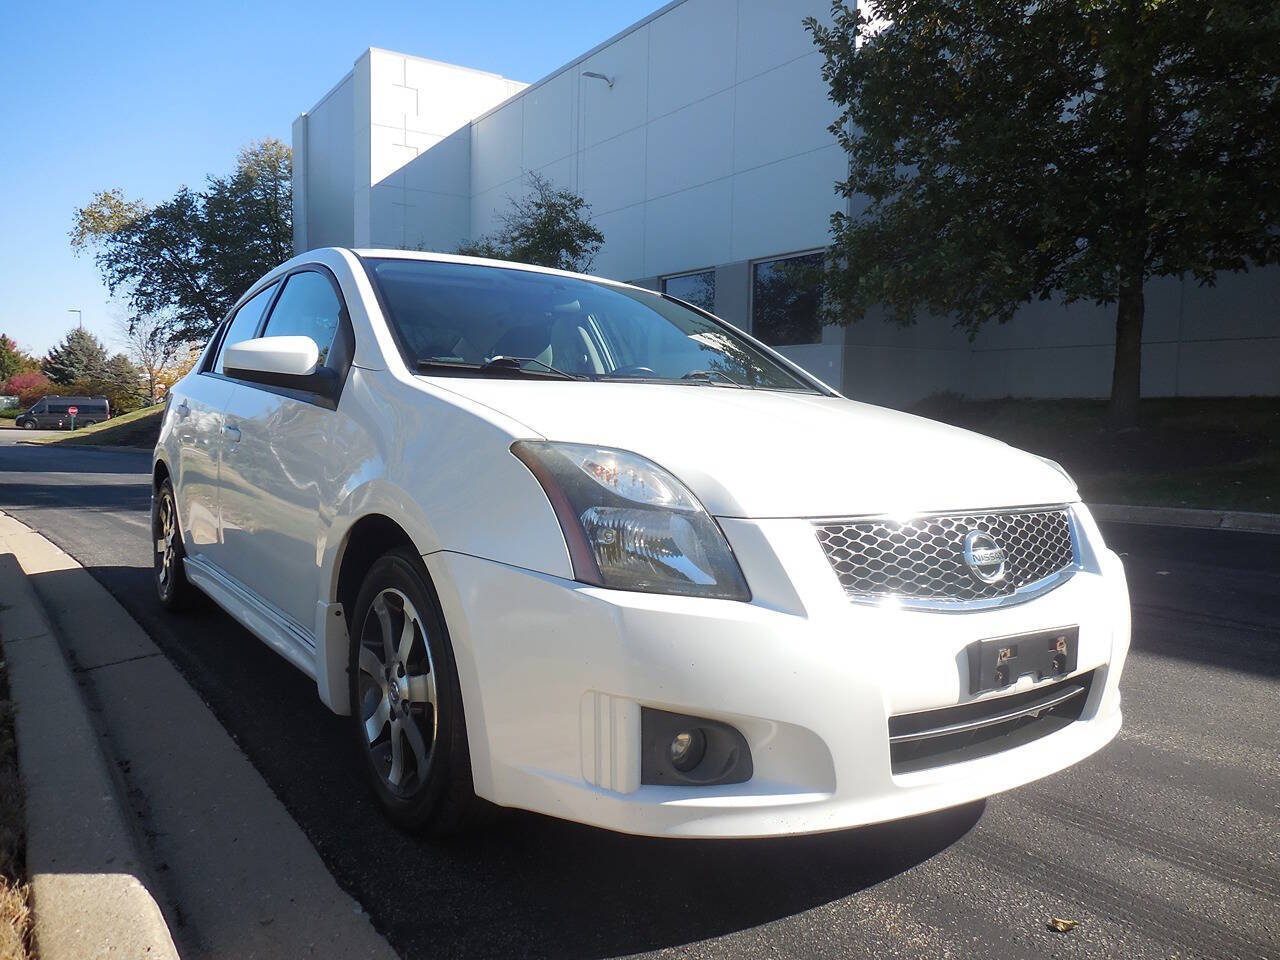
pixel 494 363
pixel 504 362
pixel 708 374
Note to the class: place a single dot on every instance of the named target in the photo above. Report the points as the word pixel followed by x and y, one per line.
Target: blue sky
pixel 150 96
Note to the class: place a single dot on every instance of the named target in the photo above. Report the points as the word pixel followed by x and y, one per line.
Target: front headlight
pixel 631 525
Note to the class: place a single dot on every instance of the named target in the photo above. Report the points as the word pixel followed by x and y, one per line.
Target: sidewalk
pixel 191 828
pixel 1185 517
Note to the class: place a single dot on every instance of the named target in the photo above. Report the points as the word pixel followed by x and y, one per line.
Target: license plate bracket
pixel 1002 661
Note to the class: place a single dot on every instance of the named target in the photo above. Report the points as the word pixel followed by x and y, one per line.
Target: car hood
pixel 757 453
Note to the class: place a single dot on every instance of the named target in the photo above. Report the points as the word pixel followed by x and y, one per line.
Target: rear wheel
pixel 406 703
pixel 172 587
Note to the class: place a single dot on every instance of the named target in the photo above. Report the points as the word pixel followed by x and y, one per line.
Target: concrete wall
pixel 1197 341
pixel 324 148
pixel 358 153
pixel 710 147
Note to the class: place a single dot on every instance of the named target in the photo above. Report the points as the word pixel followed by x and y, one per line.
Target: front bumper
pixel 554 675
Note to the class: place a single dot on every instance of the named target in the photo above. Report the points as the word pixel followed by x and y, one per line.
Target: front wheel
pixel 406 704
pixel 28 425
pixel 172 587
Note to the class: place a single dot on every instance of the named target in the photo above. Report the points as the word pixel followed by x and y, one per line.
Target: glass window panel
pixel 696 288
pixel 245 322
pixel 308 307
pixel 786 300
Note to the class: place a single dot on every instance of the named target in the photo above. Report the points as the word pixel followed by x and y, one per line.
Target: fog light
pixel 687 749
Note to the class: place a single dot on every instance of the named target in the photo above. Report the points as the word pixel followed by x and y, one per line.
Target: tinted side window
pixel 308 307
pixel 786 300
pixel 245 322
pixel 62 407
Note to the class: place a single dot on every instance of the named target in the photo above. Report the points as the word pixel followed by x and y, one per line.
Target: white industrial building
pixel 699 138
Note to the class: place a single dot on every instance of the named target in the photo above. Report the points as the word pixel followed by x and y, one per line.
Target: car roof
pixel 392 254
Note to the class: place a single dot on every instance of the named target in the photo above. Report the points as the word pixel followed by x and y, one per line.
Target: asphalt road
pixel 1165 844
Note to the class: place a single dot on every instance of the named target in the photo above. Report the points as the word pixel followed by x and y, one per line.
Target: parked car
pixel 577 547
pixel 64 413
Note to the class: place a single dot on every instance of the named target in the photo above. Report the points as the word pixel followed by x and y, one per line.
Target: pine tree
pixel 80 356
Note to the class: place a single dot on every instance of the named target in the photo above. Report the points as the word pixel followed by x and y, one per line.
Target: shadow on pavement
pixel 527 885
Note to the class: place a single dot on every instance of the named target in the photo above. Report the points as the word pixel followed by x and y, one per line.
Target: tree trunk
pixel 1126 373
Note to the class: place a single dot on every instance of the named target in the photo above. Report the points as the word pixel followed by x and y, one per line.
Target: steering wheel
pixel 633 371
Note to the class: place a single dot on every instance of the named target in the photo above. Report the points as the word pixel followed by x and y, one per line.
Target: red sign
pixel 73 410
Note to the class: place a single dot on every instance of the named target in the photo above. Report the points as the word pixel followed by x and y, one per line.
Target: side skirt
pixel 282 635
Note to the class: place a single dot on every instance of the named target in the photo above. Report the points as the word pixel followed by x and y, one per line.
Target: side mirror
pixel 292 362
pixel 278 356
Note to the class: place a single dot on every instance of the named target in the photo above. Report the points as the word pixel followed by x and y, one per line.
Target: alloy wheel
pixel 166 535
pixel 397 692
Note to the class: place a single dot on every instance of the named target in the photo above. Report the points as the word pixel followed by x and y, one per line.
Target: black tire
pixel 87 423
pixel 172 587
pixel 28 425
pixel 440 800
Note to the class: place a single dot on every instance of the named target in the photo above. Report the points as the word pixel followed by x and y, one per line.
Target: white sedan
pixel 572 546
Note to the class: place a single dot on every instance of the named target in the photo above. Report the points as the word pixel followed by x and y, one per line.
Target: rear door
pixel 276 479
pixel 200 404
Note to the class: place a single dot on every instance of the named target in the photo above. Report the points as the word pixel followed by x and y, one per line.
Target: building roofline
pixel 332 90
pixel 439 63
pixel 582 57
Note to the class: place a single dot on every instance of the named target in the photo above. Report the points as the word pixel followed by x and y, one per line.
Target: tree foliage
pixel 1011 150
pixel 549 227
pixel 153 349
pixel 13 359
pixel 28 386
pixel 79 356
pixel 188 259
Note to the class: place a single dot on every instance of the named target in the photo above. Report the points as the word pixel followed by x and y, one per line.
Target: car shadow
pixel 526 885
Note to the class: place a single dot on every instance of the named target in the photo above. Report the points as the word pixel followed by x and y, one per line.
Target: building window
pixel 696 288
pixel 786 300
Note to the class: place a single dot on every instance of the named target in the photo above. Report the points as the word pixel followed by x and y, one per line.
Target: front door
pixel 274 485
pixel 200 405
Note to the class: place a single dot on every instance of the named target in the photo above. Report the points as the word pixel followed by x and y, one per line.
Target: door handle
pixel 232 433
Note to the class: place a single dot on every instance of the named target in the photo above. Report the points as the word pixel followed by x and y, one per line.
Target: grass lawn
pixel 1213 453
pixel 15 910
pixel 138 429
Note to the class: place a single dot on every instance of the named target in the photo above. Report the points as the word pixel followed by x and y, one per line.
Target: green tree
pixel 1011 150
pixel 188 259
pixel 548 227
pixel 80 356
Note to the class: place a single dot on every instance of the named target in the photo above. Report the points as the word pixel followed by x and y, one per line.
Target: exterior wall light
pixel 599 76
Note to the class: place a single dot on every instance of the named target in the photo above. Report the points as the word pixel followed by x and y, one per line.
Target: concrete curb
pixel 1184 517
pixel 234 872
pixel 90 895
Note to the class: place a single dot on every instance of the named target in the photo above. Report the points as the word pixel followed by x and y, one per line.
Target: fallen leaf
pixel 1062 926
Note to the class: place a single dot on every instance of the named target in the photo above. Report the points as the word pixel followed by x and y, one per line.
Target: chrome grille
pixel 921 560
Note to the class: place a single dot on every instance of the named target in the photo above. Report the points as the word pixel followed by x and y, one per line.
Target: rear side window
pixel 308 307
pixel 245 322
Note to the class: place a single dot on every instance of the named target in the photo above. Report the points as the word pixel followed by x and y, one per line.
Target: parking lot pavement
pixel 1164 844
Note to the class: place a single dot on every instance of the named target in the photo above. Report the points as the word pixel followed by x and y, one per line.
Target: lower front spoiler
pixel 750 810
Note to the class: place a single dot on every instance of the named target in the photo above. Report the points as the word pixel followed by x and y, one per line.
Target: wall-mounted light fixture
pixel 599 76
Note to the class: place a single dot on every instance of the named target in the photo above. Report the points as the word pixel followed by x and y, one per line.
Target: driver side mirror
pixel 292 362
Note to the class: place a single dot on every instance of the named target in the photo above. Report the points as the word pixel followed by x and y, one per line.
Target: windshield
pixel 456 316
